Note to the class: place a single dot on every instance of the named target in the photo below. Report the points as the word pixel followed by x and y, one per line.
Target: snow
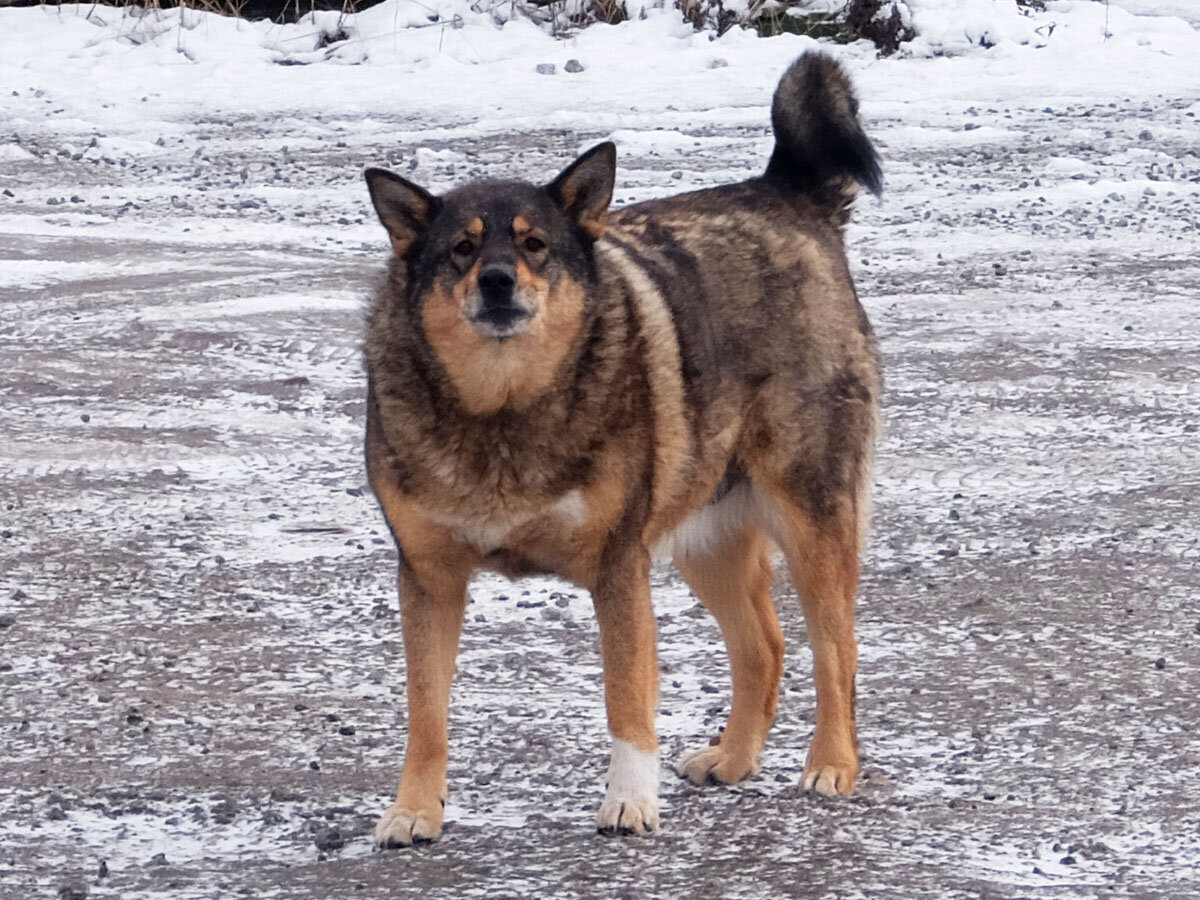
pixel 125 68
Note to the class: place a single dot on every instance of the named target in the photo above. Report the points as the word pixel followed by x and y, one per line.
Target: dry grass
pixel 281 11
pixel 857 19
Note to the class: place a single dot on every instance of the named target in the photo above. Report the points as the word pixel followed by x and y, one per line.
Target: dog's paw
pixel 400 827
pixel 830 779
pixel 631 803
pixel 627 815
pixel 715 765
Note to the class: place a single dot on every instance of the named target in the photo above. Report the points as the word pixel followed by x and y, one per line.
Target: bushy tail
pixel 820 147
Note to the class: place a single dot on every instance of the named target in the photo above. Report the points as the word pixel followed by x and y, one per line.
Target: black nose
pixel 496 283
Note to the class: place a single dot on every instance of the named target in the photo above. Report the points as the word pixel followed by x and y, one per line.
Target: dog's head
pixel 496 274
pixel 498 255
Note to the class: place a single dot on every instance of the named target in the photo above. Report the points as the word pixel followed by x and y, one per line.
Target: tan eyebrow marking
pixel 521 226
pixel 475 227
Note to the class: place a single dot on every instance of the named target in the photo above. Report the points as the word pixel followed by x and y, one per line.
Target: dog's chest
pixel 500 529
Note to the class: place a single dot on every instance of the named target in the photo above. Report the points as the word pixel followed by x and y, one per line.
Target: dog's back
pixel 772 342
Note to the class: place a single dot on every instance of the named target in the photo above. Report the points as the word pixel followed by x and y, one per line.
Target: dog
pixel 559 388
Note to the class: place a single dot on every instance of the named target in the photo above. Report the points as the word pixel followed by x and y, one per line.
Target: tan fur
pixel 734 584
pixel 671 443
pixel 627 649
pixel 433 598
pixel 491 375
pixel 823 560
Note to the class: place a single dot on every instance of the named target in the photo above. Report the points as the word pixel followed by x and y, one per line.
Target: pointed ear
pixel 584 189
pixel 404 208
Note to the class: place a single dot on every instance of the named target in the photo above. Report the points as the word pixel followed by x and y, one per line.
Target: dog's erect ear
pixel 584 189
pixel 404 208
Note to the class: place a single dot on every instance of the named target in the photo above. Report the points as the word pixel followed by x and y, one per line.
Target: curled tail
pixel 821 150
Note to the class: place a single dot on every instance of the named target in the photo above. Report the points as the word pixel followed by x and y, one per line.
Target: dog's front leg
pixel 622 600
pixel 432 614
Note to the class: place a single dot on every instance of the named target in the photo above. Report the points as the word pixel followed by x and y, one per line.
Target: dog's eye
pixel 534 244
pixel 464 248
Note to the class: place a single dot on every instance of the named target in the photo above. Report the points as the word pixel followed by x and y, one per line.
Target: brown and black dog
pixel 559 388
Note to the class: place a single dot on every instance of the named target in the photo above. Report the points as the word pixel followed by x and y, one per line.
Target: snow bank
pixel 413 32
pixel 119 75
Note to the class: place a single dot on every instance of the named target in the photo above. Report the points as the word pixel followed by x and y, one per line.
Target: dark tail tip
pixel 820 146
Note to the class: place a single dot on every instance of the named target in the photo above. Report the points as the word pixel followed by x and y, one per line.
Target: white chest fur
pixel 567 512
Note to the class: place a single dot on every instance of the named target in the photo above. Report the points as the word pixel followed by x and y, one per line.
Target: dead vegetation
pixel 883 22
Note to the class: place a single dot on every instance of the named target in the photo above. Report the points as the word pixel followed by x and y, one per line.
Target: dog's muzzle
pixel 500 312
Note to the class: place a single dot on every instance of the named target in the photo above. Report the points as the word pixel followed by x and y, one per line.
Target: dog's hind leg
pixel 822 555
pixel 732 577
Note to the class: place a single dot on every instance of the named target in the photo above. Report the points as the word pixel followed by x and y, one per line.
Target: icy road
pixel 201 676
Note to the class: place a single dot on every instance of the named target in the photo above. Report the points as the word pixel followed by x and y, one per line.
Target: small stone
pixel 1146 135
pixel 85 418
pixel 158 859
pixel 56 814
pixel 1160 663
pixel 225 811
pixel 76 890
pixel 1067 860
pixel 8 620
pixel 329 839
pixel 677 175
pixel 999 269
pixel 102 872
pixel 346 730
pixel 546 68
pixel 708 689
pixel 718 63
pixel 573 66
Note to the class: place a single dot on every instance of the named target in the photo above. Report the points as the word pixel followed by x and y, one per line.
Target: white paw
pixel 631 804
pixel 632 815
pixel 403 827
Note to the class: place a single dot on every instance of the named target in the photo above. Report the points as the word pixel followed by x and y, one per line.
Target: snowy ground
pixel 201 678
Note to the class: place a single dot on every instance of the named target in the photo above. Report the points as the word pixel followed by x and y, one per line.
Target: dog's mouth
pixel 501 321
